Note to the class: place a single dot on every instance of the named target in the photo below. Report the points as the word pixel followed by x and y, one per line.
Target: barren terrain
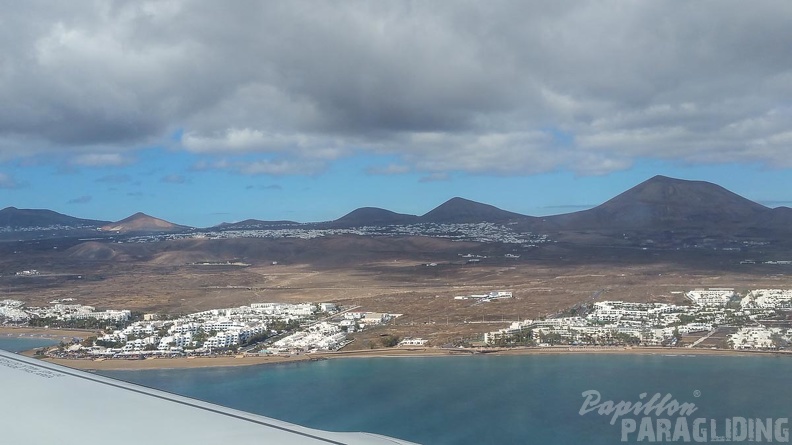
pixel 379 274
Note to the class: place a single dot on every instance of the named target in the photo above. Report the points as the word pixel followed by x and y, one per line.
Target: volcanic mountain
pixel 778 219
pixel 663 203
pixel 373 216
pixel 460 210
pixel 252 224
pixel 27 218
pixel 140 222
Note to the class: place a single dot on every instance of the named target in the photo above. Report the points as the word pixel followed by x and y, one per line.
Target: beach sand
pixel 228 360
pixel 221 361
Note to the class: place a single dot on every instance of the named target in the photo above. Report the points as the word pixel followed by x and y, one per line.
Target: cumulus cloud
pixel 390 169
pixel 279 167
pixel 460 86
pixel 100 160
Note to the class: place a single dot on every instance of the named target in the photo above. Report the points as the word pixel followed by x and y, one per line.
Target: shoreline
pixel 50 333
pixel 233 361
pixel 251 360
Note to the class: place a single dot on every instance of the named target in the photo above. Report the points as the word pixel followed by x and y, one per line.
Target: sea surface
pixel 19 344
pixel 478 400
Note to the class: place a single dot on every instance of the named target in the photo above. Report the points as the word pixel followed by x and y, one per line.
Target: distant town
pixel 262 328
pixel 484 232
pixel 755 321
pixel 714 318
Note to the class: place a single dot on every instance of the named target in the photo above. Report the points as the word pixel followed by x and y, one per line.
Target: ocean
pixel 531 399
pixel 19 344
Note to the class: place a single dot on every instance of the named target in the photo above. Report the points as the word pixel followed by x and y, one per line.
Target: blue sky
pixel 200 113
pixel 165 184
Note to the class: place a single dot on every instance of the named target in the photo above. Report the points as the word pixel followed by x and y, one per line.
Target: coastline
pixel 232 361
pixel 51 333
pixel 250 360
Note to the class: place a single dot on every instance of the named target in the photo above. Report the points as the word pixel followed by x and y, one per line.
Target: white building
pixel 413 342
pixel 711 297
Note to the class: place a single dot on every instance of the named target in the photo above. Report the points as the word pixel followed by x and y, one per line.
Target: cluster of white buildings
pixel 758 304
pixel 646 323
pixel 493 295
pixel 711 297
pixel 767 299
pixel 27 273
pixel 659 323
pixel 479 232
pixel 66 312
pixel 206 331
pixel 12 310
pixel 15 311
pixel 354 321
pixel 322 336
pixel 302 233
pixel 413 341
pixel 756 338
pixel 53 227
pixel 220 329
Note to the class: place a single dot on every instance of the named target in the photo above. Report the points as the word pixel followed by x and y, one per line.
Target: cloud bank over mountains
pixel 284 88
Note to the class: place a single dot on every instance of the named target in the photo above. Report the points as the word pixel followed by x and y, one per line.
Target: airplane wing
pixel 44 403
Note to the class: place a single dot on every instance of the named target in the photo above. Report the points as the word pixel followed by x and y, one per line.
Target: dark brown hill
pixel 94 251
pixel 140 222
pixel 373 216
pixel 663 203
pixel 28 218
pixel 778 219
pixel 460 210
pixel 331 251
pixel 253 224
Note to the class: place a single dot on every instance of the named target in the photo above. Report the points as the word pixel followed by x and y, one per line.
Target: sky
pixel 201 112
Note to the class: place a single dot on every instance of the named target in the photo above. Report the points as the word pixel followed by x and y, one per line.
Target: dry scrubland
pixel 381 274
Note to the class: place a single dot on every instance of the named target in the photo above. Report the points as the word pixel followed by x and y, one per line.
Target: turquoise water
pixel 486 400
pixel 19 344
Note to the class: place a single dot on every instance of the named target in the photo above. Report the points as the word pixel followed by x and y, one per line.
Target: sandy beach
pixel 227 360
pixel 222 361
pixel 248 360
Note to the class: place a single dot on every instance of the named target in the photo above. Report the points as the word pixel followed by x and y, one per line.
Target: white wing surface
pixel 43 403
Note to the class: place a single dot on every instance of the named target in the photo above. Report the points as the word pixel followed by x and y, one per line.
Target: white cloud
pixel 390 169
pixel 273 167
pixel 100 160
pixel 280 167
pixel 439 86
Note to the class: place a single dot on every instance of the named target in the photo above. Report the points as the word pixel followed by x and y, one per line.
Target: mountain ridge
pixel 660 203
pixel 140 222
pixel 369 216
pixel 22 218
pixel 461 210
